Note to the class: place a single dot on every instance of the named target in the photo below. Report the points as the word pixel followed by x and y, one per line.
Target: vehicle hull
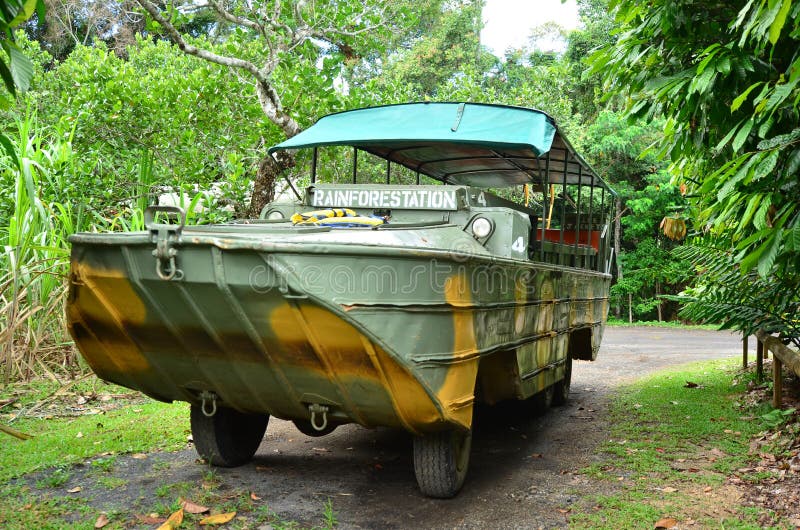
pixel 381 335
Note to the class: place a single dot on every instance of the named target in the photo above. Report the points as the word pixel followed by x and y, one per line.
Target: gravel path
pixel 523 472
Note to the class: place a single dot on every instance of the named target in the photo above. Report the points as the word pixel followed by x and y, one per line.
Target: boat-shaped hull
pixel 379 334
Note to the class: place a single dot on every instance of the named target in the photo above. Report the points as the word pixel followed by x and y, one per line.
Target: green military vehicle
pixel 395 304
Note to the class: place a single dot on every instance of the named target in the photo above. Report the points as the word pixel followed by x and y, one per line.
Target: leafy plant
pixel 727 81
pixel 723 293
pixel 777 417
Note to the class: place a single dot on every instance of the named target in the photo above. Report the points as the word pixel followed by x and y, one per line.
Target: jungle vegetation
pixel 689 111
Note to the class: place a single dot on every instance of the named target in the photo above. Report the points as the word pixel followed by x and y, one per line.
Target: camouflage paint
pixel 385 327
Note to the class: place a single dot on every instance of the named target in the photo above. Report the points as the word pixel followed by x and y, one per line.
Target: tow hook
pixel 209 397
pixel 314 409
pixel 165 235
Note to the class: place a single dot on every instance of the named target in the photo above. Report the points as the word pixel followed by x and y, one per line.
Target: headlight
pixel 274 215
pixel 481 227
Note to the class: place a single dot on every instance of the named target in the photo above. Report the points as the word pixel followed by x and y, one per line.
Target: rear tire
pixel 229 438
pixel 441 461
pixel 561 389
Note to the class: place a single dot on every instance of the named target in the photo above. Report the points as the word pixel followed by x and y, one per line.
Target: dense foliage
pixel 725 77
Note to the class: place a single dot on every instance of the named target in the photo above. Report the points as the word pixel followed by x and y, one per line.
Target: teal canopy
pixel 457 143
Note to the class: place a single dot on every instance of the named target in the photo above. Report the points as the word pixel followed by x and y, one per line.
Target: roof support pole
pixel 314 166
pixel 355 163
pixel 563 201
pixel 545 182
pixel 388 170
pixel 578 216
pixel 590 227
pixel 606 225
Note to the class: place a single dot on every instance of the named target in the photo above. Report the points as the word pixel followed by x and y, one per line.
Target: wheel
pixel 561 389
pixel 543 400
pixel 440 462
pixel 229 438
pixel 304 426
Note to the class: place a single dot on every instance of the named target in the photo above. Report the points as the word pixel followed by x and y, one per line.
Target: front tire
pixel 441 461
pixel 229 438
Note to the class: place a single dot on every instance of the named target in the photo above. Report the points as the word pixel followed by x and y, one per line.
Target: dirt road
pixel 522 472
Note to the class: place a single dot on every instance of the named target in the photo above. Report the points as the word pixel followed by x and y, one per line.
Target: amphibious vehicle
pixel 466 258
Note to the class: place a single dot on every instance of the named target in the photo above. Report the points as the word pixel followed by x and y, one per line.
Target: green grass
pixel 59 441
pixel 96 440
pixel 616 322
pixel 667 435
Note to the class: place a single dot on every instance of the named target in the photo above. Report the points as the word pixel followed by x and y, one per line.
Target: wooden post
pixel 759 361
pixel 777 382
pixel 744 351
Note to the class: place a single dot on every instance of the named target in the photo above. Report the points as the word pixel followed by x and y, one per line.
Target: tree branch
pixel 187 48
pixel 230 17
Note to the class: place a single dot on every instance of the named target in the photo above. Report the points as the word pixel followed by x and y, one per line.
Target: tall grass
pixel 33 257
pixel 45 198
pixel 34 250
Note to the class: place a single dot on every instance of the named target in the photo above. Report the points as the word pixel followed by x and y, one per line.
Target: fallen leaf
pixel 707 489
pixel 139 456
pixel 562 510
pixel 689 384
pixel 669 489
pixel 76 489
pixel 220 518
pixel 666 522
pixel 79 435
pixel 262 468
pixel 536 455
pixel 254 497
pixel 190 507
pixel 101 521
pixel 173 522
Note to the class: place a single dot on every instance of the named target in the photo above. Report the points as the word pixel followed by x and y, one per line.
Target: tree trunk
pixel 658 295
pixel 617 230
pixel 630 308
pixel 617 245
pixel 269 170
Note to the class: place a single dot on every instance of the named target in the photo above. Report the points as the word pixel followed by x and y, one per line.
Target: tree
pixel 157 102
pixel 330 33
pixel 617 149
pixel 449 50
pixel 725 76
